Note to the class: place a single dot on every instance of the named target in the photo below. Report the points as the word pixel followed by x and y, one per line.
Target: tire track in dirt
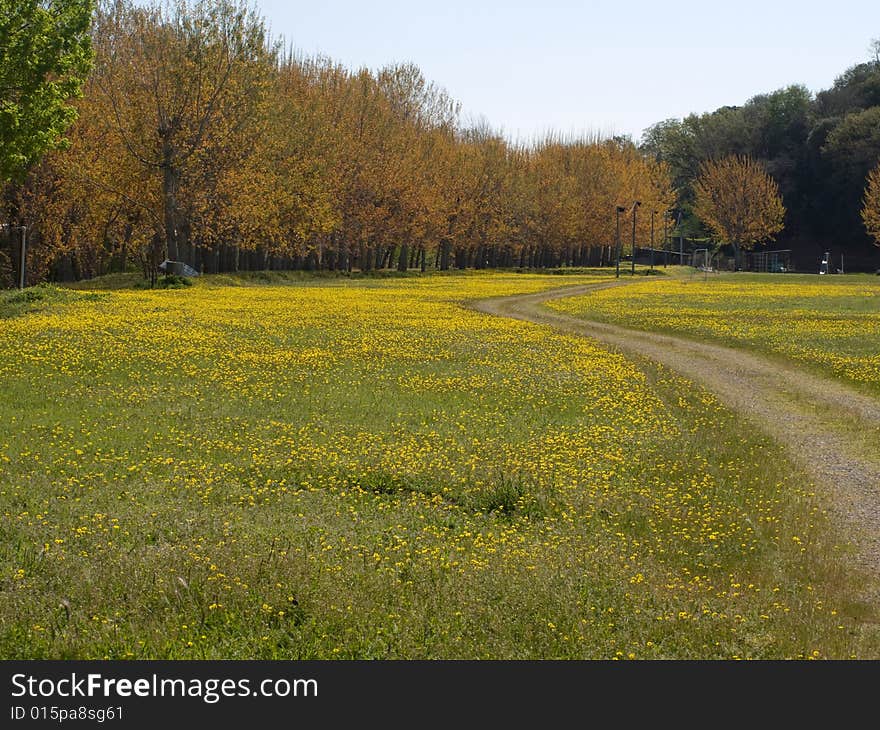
pixel 804 412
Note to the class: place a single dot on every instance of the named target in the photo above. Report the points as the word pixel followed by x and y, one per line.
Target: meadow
pixel 830 324
pixel 369 469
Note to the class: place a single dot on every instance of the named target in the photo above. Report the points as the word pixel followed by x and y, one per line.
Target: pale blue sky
pixel 612 67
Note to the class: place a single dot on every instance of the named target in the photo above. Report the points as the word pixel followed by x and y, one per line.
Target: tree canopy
pixel 45 55
pixel 198 138
pixel 739 201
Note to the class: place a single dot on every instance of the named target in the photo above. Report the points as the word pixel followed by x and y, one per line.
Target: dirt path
pixel 831 430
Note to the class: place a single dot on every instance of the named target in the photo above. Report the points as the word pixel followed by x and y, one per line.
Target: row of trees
pixel 198 139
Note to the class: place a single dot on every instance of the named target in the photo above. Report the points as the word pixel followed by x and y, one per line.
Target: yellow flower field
pixel 831 323
pixel 369 469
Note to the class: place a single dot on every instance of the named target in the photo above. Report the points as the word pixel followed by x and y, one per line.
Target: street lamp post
pixel 636 204
pixel 680 236
pixel 653 213
pixel 675 220
pixel 665 238
pixel 620 209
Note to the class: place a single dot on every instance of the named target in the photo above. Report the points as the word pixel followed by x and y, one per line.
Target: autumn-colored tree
pixel 415 107
pixel 634 178
pixel 198 141
pixel 493 219
pixel 739 202
pixel 281 194
pixel 871 207
pixel 183 80
pixel 88 208
pixel 597 167
pixel 83 222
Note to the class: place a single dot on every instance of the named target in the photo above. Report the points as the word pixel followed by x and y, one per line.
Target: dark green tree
pixel 45 55
pixel 818 149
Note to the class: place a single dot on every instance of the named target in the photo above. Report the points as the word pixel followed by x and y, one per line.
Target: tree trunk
pixel 445 247
pixel 123 249
pixel 169 198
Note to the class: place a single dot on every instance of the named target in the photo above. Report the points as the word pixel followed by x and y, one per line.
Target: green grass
pixel 136 281
pixel 366 469
pixel 16 303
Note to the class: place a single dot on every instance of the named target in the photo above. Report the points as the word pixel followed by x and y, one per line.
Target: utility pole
pixel 620 209
pixel 636 204
pixel 665 238
pixel 680 240
pixel 653 213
